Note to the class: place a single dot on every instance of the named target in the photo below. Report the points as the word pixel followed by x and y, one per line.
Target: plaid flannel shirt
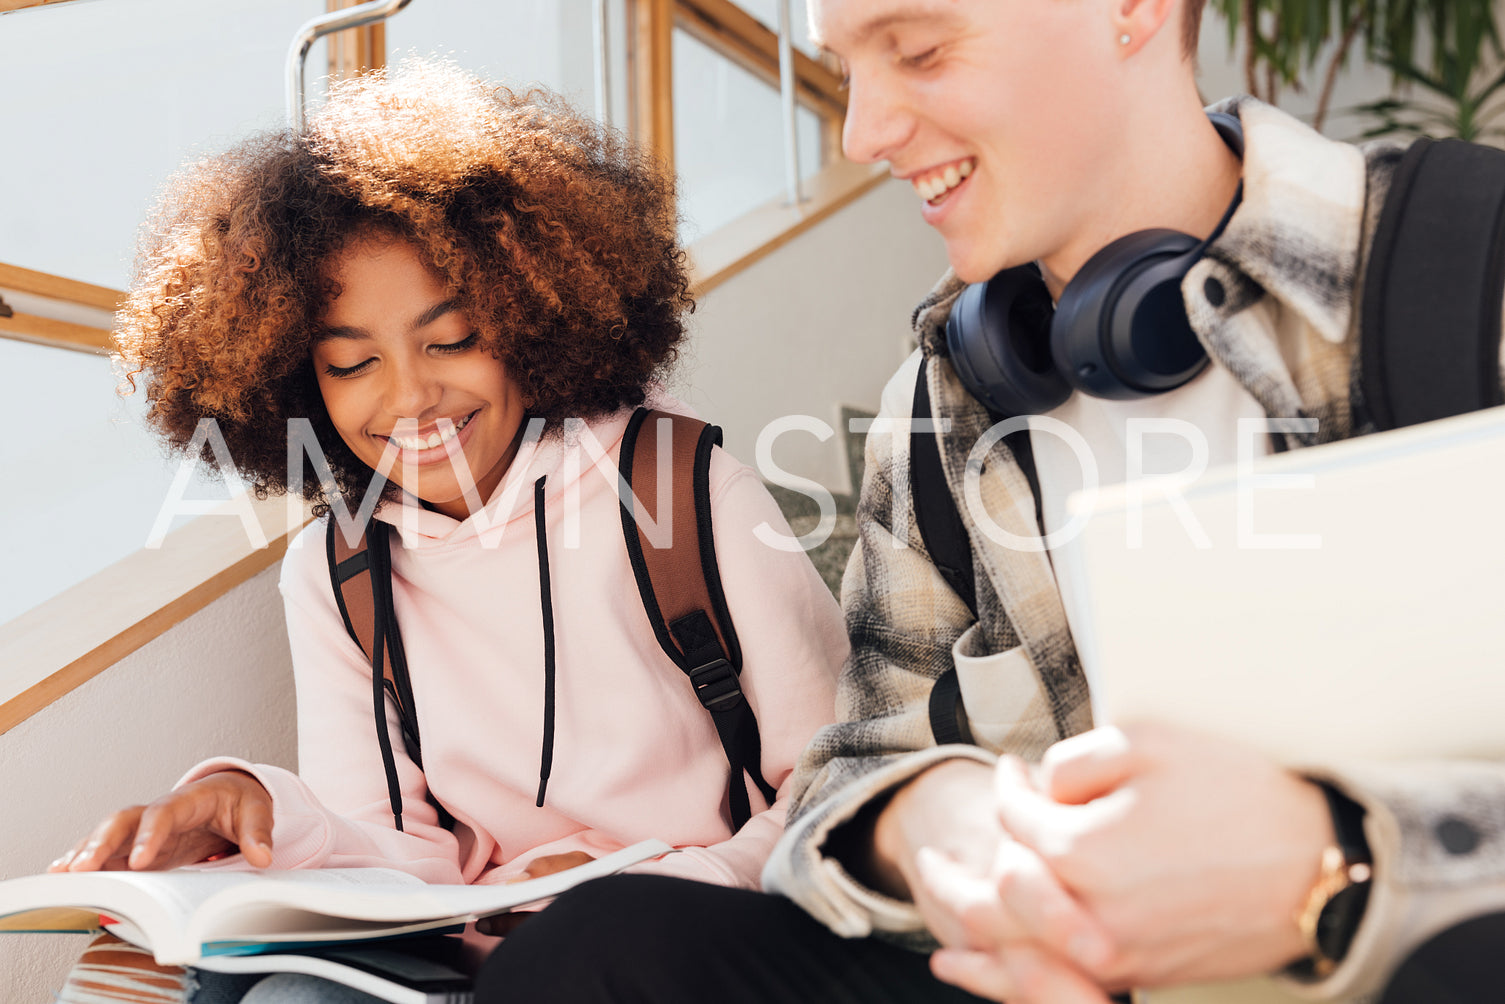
pixel 1275 302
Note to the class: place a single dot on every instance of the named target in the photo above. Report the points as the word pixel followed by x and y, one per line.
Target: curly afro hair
pixel 556 236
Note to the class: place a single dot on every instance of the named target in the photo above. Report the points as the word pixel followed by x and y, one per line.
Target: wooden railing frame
pixel 73 637
pixel 746 41
pixel 47 330
pixel 56 287
pixel 650 75
pixel 728 250
pixel 9 5
pixel 355 50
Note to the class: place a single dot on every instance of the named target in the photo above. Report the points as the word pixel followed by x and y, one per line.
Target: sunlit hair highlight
pixel 556 236
pixel 1191 27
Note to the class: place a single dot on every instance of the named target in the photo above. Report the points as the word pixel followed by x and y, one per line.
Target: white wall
pixel 218 683
pixel 822 322
pixel 117 96
pixel 94 480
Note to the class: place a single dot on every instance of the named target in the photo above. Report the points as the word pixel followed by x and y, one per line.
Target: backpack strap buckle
pixel 716 685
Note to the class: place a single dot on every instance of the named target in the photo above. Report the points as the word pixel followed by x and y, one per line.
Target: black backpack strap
pixel 1434 286
pixel 680 585
pixel 945 537
pixel 361 576
pixel 935 511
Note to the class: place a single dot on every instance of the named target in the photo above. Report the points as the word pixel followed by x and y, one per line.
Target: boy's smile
pixel 1027 128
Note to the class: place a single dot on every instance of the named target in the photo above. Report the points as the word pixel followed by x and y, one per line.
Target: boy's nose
pixel 877 123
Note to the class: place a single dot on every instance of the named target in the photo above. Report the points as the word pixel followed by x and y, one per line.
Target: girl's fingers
pixel 185 824
pixel 107 841
pixel 202 818
pixel 253 830
pixel 161 821
pixel 61 864
pixel 548 864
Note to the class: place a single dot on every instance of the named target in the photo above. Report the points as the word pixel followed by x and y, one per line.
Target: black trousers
pixel 1462 965
pixel 644 939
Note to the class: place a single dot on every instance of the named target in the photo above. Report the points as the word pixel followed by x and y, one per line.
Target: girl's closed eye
pixel 346 371
pixel 468 342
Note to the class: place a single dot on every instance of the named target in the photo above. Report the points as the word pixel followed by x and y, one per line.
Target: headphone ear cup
pixel 1120 330
pixel 998 336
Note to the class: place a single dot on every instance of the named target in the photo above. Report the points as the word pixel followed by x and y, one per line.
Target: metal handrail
pixel 786 94
pixel 315 29
pixel 602 62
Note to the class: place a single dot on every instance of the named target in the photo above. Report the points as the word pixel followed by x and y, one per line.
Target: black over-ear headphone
pixel 1120 330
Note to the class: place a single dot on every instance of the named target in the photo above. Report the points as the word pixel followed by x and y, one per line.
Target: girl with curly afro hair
pixel 446 301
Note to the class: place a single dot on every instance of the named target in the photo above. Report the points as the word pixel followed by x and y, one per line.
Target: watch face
pixel 1339 919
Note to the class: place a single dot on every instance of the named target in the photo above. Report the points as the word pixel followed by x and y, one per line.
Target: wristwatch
pixel 1335 906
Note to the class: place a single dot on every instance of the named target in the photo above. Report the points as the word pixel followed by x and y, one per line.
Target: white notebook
pixel 1359 612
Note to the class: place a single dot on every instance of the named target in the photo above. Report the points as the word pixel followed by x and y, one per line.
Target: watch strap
pixel 1335 906
pixel 1339 919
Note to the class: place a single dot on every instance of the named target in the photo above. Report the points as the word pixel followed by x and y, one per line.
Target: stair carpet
pixel 803 512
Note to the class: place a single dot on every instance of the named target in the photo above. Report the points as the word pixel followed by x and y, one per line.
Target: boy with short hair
pixel 1042 131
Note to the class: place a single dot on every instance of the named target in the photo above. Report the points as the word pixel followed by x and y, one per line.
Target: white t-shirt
pixel 1180 432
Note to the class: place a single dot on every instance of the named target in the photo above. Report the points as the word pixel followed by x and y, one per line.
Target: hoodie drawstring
pixel 546 756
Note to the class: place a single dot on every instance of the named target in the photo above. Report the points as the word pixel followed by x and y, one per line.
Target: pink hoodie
pixel 635 755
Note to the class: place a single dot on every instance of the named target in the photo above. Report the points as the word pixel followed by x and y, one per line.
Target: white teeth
pixel 449 431
pixel 933 186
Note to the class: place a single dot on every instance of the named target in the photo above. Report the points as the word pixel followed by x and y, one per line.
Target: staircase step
pixel 803 515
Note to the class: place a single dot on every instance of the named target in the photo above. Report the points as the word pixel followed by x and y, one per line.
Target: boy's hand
pixel 217 814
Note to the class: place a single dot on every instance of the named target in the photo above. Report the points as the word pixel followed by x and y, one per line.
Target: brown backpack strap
pixel 680 583
pixel 350 575
pixel 361 576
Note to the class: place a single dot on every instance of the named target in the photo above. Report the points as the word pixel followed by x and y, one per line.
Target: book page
pixel 51 920
pixel 401 972
pixel 316 905
pixel 182 912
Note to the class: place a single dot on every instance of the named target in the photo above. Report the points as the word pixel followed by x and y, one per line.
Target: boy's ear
pixel 1135 22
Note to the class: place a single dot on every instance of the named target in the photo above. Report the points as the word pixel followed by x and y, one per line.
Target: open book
pixel 184 916
pixel 416 970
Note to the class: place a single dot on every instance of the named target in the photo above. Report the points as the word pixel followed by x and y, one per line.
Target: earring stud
pixel 1123 39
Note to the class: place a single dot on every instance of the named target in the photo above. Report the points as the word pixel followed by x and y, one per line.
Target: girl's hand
pixel 548 864
pixel 218 814
pixel 503 924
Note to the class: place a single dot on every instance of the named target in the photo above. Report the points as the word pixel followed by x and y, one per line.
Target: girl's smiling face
pixel 403 374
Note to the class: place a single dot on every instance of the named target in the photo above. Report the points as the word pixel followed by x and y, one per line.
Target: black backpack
pixel 680 587
pixel 1431 316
